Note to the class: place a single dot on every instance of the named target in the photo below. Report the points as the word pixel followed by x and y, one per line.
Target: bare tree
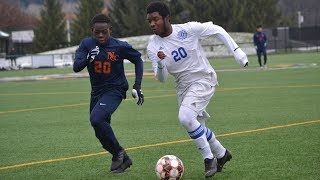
pixel 13 18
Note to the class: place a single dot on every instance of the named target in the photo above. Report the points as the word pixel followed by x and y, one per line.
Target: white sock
pixel 188 119
pixel 216 147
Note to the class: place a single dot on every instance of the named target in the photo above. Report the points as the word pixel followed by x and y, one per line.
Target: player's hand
pixel 137 94
pixel 93 53
pixel 241 57
pixel 161 55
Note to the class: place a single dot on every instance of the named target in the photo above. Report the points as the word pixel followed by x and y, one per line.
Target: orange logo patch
pixel 112 56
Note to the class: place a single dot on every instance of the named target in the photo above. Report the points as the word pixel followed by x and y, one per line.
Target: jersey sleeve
pixel 254 39
pixel 153 58
pixel 209 29
pixel 202 30
pixel 159 69
pixel 134 57
pixel 80 61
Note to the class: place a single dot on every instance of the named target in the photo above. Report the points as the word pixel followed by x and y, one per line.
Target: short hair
pixel 158 6
pixel 100 18
pixel 259 26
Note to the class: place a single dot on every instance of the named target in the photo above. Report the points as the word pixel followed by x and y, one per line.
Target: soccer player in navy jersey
pixel 103 56
pixel 260 43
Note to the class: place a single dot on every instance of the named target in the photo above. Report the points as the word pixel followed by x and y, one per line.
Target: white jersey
pixel 185 58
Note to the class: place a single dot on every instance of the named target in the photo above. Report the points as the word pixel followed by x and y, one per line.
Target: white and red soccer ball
pixel 169 167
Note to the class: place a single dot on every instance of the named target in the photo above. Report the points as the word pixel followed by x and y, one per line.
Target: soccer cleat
pixel 125 165
pixel 227 157
pixel 210 167
pixel 117 160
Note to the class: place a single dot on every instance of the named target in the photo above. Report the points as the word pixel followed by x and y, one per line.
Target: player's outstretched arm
pixel 135 57
pixel 241 57
pixel 227 40
pixel 136 90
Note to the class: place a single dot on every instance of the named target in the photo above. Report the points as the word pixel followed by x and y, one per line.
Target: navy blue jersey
pixel 106 70
pixel 260 40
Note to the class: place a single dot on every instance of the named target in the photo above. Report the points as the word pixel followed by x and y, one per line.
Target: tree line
pixel 129 18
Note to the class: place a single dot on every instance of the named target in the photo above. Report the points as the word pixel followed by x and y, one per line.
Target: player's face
pixel 101 31
pixel 259 29
pixel 158 24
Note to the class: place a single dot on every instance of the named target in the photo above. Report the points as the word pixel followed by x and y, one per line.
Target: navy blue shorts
pixel 106 104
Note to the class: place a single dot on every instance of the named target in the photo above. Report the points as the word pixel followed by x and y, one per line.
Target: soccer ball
pixel 169 167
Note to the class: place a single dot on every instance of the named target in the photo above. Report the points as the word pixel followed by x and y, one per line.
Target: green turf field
pixel 268 119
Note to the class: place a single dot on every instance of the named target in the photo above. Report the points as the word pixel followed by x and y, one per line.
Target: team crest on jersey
pixel 182 34
pixel 112 56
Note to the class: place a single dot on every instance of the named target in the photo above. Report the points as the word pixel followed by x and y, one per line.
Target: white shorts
pixel 197 96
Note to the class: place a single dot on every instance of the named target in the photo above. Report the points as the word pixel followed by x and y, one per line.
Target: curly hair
pixel 158 6
pixel 100 18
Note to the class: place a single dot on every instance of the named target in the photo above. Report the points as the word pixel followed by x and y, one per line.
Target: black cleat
pixel 117 160
pixel 227 157
pixel 210 167
pixel 125 165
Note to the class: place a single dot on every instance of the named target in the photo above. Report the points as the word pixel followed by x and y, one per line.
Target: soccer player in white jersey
pixel 176 49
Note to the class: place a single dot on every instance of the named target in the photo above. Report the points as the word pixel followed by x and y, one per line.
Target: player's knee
pixel 183 118
pixel 99 117
pixel 186 116
pixel 95 119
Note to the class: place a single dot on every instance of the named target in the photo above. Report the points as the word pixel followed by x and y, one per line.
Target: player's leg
pixel 100 118
pixel 264 52
pixel 188 119
pixel 195 130
pixel 220 152
pixel 259 57
pixel 192 102
pixel 216 147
